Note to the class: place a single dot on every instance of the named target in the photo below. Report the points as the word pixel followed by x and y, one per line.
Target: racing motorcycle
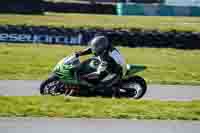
pixel 64 80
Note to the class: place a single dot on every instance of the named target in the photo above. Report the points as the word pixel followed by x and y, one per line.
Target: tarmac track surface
pixel 46 125
pixel 158 92
pixel 52 125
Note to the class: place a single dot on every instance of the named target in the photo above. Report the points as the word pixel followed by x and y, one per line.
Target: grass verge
pixel 97 108
pixel 165 66
pixel 104 21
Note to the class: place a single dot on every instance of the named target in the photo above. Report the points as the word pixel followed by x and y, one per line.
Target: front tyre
pixel 135 87
pixel 51 86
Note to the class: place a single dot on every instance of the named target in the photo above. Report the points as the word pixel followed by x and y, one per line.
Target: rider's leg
pixel 112 81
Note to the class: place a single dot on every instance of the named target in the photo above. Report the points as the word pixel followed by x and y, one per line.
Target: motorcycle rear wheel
pixel 135 87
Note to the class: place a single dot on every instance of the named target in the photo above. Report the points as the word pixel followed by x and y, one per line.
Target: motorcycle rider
pixel 112 65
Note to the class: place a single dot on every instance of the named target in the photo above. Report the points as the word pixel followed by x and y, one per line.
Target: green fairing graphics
pixel 65 73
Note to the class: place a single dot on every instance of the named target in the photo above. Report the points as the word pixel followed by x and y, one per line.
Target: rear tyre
pixel 135 87
pixel 51 86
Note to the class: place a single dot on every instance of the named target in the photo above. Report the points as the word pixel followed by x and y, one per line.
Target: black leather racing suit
pixel 109 71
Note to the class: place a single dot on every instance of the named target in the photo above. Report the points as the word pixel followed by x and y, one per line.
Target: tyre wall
pixel 79 8
pixel 21 6
pixel 128 38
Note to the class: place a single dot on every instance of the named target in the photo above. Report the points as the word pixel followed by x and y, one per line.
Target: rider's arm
pixel 84 52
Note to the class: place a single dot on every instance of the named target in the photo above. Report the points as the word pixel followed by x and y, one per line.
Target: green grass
pixel 104 21
pixel 165 66
pixel 98 108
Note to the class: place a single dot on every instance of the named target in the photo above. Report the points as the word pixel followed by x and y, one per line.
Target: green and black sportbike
pixel 65 80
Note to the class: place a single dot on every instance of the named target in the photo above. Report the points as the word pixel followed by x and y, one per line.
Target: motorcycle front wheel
pixel 52 86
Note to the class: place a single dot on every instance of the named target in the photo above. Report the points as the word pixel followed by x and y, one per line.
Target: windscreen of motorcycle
pixel 72 60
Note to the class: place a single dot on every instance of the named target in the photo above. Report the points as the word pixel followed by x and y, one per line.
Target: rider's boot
pixel 115 92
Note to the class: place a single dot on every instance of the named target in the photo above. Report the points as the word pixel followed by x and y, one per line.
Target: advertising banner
pixel 36 38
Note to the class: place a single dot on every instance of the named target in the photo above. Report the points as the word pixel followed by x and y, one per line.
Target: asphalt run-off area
pixel 52 125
